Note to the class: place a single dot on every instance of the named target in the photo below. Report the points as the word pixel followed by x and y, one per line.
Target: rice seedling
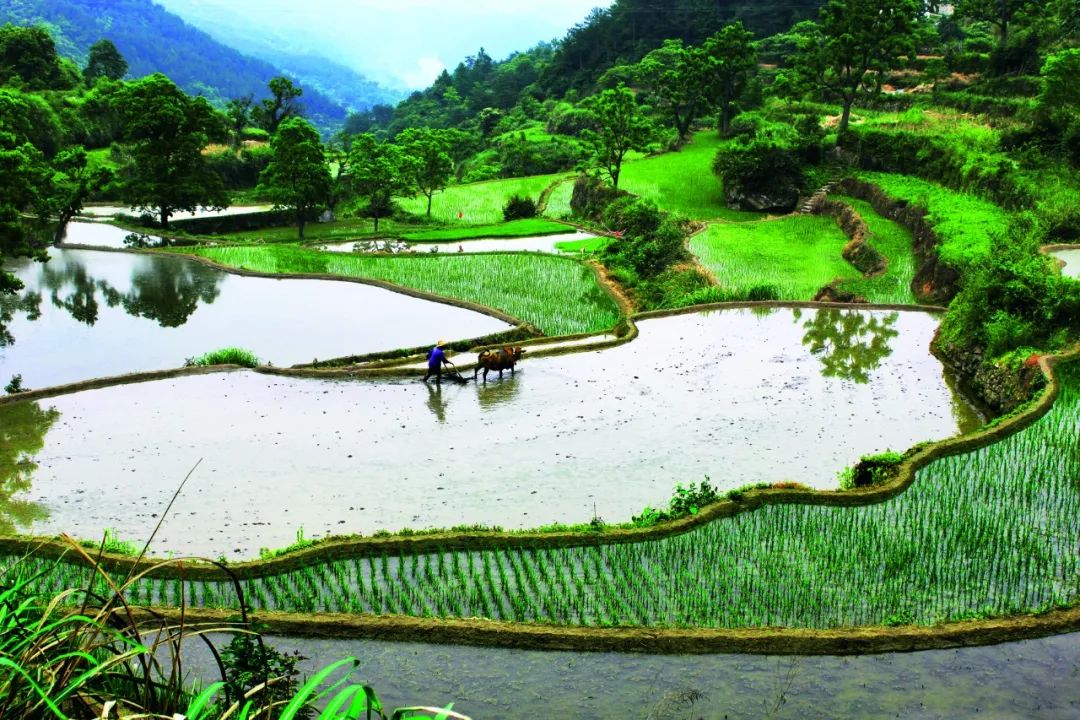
pixel 683 182
pixel 794 256
pixel 528 227
pixel 477 203
pixel 894 241
pixel 963 223
pixel 559 296
pixel 986 533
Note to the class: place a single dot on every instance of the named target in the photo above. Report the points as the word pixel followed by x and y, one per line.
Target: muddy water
pixel 1071 258
pixel 89 314
pixel 736 395
pixel 1029 680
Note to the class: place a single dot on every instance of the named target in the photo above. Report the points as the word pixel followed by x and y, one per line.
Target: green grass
pixel 894 241
pixel 589 245
pixel 796 256
pixel 100 158
pixel 986 533
pixel 225 356
pixel 516 228
pixel 560 296
pixel 963 223
pixel 479 203
pixel 558 203
pixel 683 182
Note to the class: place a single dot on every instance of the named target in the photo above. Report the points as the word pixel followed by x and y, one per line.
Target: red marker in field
pixel 460 214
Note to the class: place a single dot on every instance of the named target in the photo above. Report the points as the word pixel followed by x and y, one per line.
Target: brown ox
pixel 501 359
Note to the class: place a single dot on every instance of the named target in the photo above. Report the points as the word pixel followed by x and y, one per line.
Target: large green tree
pixel 378 172
pixel 283 103
pixel 619 126
pixel 72 181
pixel 729 58
pixel 429 162
pixel 28 58
pixel 167 131
pixel 297 177
pixel 999 13
pixel 679 79
pixel 104 60
pixel 854 44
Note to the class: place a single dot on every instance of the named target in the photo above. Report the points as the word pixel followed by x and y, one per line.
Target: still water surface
pixel 86 314
pixel 1071 258
pixel 1029 680
pixel 737 395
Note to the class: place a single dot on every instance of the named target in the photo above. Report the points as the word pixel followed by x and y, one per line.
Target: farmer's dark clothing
pixel 435 360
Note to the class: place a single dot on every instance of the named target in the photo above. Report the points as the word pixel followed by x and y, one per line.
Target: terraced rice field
pixel 985 533
pixel 559 296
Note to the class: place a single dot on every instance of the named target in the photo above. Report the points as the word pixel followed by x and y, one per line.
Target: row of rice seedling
pixel 560 296
pixel 477 203
pixel 794 256
pixel 987 533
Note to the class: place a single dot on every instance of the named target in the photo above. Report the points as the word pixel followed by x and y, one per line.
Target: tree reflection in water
pixel 10 303
pixel 850 344
pixel 167 290
pixel 81 303
pixel 23 427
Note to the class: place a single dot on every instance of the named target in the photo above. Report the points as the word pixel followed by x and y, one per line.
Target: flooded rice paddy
pixel 738 395
pixel 86 314
pixel 1029 680
pixel 107 211
pixel 103 235
pixel 539 243
pixel 1071 258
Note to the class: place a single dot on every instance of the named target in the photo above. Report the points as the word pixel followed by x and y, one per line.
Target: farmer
pixel 435 360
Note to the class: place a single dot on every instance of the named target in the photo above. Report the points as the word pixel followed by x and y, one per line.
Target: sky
pixel 396 42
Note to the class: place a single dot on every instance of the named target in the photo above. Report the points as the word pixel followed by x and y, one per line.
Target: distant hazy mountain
pixel 238 28
pixel 153 40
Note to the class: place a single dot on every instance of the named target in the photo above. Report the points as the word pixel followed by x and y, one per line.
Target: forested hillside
pixel 154 40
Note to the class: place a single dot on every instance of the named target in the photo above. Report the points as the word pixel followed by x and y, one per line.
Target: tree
pixel 730 58
pixel 28 58
pixel 377 171
pixel 167 131
pixel 24 184
pixel 680 79
pixel 430 166
pixel 282 104
pixel 238 111
pixel 855 42
pixel 619 127
pixel 104 60
pixel 72 182
pixel 999 13
pixel 297 176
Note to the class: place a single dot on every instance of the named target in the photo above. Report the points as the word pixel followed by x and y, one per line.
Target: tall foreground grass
pixel 986 533
pixel 559 296
pixel 87 651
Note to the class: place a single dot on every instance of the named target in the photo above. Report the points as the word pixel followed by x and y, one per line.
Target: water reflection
pixel 81 303
pixel 22 435
pixel 501 392
pixel 435 402
pixel 28 303
pixel 167 290
pixel 849 344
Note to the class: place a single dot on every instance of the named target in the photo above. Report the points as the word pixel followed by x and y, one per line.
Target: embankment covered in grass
pixel 478 203
pixel 558 296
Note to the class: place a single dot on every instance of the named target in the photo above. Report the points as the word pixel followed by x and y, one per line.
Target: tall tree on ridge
pixel 297 178
pixel 282 104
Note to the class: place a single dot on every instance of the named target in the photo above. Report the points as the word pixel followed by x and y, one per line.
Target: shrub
pixel 225 356
pixel 518 207
pixel 762 167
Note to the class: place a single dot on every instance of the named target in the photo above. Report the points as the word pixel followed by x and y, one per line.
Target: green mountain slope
pixel 154 40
